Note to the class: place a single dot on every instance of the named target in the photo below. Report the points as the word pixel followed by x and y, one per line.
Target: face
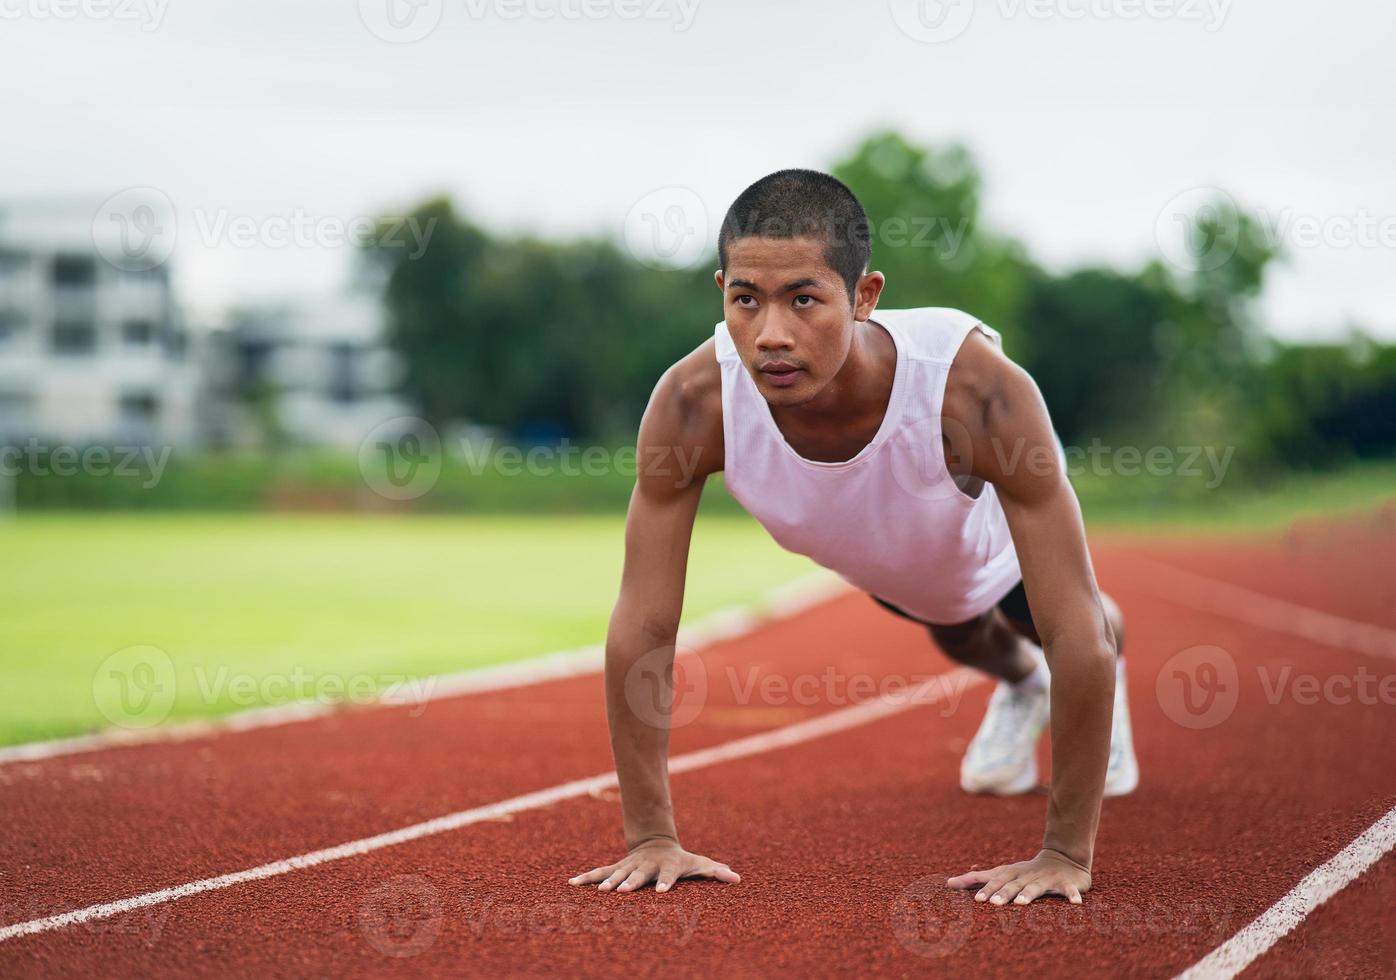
pixel 789 314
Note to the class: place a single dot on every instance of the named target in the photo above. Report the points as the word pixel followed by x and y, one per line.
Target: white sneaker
pixel 1122 773
pixel 1002 758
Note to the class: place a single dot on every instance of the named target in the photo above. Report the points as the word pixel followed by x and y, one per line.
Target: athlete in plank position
pixel 908 454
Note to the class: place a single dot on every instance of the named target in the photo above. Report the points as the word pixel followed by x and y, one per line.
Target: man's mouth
pixel 780 373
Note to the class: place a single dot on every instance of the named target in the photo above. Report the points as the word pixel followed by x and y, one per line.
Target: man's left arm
pixel 1007 430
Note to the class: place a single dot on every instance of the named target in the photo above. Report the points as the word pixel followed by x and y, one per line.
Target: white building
pixel 94 351
pixel 89 353
pixel 316 372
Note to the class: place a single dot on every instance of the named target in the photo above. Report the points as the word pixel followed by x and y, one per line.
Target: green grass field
pixel 305 600
pixel 258 608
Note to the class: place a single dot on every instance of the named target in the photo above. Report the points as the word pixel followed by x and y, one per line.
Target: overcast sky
pixel 1088 117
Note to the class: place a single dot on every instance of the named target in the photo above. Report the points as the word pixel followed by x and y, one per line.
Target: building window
pixel 71 271
pixel 12 263
pixel 254 363
pixel 342 372
pixel 176 342
pixel 139 408
pixel 74 337
pixel 11 322
pixel 14 403
pixel 155 274
pixel 16 409
pixel 137 333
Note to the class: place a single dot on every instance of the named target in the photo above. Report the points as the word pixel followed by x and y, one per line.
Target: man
pixel 907 453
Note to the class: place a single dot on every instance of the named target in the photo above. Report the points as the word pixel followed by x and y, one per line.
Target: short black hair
pixel 803 204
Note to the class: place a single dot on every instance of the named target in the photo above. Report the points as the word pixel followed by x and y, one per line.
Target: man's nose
pixel 774 333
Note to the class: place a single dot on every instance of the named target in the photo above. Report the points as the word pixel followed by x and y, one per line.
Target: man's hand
pixel 661 861
pixel 1050 873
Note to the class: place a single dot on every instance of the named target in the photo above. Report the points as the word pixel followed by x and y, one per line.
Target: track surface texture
pixel 843 839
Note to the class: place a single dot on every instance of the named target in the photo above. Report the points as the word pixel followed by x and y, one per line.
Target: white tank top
pixel 891 520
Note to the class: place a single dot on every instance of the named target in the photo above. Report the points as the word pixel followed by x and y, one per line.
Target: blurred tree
pixel 529 335
pixel 1089 344
pixel 1321 404
pixel 1211 336
pixel 923 205
pixel 545 338
pixel 435 321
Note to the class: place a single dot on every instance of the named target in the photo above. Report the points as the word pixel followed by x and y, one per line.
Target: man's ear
pixel 866 295
pixel 717 277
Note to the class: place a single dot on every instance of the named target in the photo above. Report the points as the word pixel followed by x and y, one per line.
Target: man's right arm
pixel 679 446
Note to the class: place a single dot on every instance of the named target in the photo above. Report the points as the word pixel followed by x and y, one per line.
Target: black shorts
pixel 1014 606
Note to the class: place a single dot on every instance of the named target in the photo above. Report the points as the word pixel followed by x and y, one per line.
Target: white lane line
pixel 1211 595
pixel 1206 594
pixel 930 691
pixel 781 602
pixel 1242 949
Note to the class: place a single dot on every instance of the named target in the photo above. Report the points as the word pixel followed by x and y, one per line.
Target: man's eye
pixel 804 302
pixel 745 300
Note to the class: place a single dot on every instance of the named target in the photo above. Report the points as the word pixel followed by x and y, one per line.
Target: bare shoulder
pixel 986 389
pixel 1004 432
pixel 685 411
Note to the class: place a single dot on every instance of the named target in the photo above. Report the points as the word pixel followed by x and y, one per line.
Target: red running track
pixel 843 841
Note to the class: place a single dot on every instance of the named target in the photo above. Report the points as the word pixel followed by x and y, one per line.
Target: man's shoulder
pixel 694 382
pixel 686 407
pixel 980 374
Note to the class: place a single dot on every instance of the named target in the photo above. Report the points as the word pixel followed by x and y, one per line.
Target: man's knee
pixel 966 642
